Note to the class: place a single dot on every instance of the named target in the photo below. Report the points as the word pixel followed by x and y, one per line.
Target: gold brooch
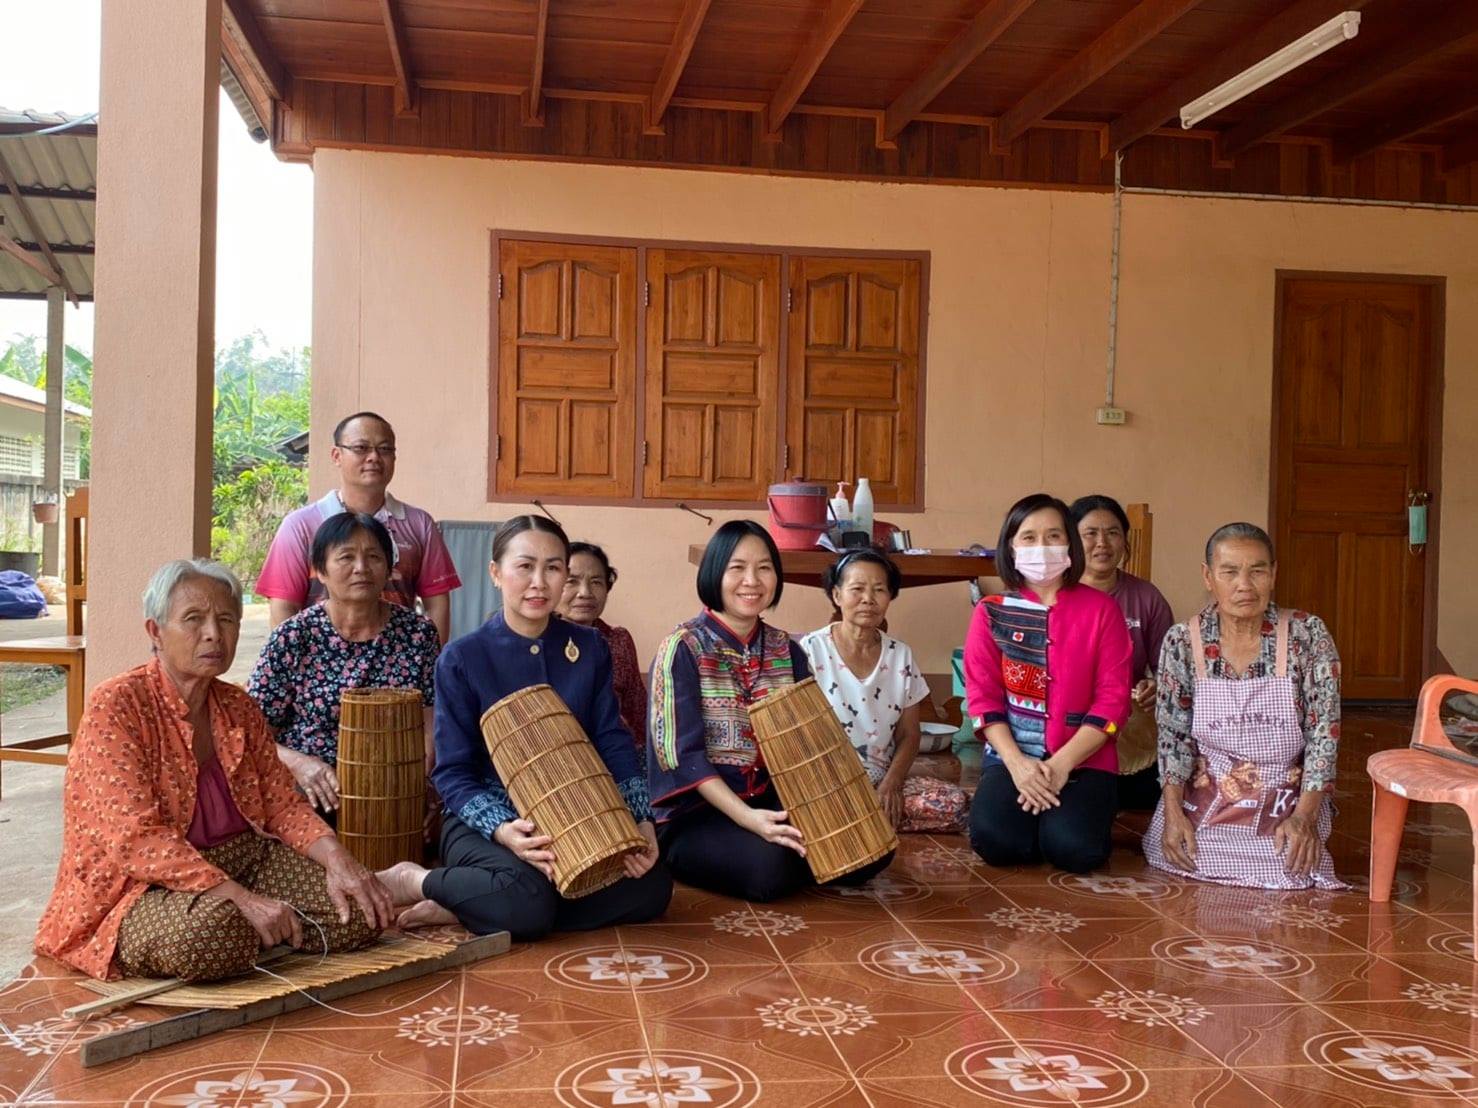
pixel 572 652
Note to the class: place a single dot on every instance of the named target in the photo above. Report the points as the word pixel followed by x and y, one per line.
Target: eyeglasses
pixel 364 449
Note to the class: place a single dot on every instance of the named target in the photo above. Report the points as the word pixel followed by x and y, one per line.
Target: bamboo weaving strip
pixel 821 781
pixel 555 778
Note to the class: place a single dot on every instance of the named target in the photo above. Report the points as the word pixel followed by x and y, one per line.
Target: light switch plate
pixel 1114 417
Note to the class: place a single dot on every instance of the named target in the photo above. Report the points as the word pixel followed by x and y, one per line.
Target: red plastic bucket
pixel 798 514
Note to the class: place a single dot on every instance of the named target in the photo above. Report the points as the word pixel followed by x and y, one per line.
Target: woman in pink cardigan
pixel 1047 683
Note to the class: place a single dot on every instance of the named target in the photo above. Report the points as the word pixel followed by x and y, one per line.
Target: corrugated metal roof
pixel 13 389
pixel 57 163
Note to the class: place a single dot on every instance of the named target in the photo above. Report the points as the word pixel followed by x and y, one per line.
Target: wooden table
pixel 937 567
pixel 70 653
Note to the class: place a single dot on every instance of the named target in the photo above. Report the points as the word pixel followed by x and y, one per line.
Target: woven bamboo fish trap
pixel 555 777
pixel 821 780
pixel 382 775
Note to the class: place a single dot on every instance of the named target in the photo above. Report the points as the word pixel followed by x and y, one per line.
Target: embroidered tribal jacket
pixel 703 681
pixel 1045 672
pixel 480 669
pixel 129 798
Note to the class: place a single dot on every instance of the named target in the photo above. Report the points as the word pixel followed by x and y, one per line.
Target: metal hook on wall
pixel 693 511
pixel 544 511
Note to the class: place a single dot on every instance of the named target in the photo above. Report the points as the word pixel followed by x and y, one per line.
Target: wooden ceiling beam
pixel 987 26
pixel 688 26
pixel 1292 23
pixel 1402 125
pixel 407 95
pixel 1140 24
pixel 29 218
pixel 21 254
pixel 833 22
pixel 238 21
pixel 80 249
pixel 1457 22
pixel 533 100
pixel 41 192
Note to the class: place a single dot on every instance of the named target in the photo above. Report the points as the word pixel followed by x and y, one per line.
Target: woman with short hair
pixel 354 639
pixel 875 688
pixel 1103 525
pixel 722 826
pixel 1249 714
pixel 1047 682
pixel 497 866
pixel 586 591
pixel 186 850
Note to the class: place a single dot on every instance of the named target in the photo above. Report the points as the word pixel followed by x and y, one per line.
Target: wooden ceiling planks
pixel 1120 68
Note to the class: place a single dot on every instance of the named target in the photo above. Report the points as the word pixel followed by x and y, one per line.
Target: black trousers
pixel 491 889
pixel 707 849
pixel 1073 836
pixel 1140 792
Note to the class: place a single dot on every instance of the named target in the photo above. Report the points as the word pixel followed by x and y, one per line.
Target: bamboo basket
pixel 821 781
pixel 556 778
pixel 382 775
pixel 1138 742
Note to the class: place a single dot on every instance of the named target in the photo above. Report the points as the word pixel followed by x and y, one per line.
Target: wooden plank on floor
pixel 207 1021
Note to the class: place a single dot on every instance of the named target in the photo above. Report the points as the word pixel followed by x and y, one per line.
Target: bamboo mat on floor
pixel 302 971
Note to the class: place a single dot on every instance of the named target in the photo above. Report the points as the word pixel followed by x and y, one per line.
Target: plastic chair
pixel 1430 770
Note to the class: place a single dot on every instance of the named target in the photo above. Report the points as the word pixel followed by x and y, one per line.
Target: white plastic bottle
pixel 840 510
pixel 862 507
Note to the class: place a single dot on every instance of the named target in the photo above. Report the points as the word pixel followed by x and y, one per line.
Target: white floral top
pixel 869 706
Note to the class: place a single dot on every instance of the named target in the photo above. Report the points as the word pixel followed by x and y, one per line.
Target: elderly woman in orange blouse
pixel 186 848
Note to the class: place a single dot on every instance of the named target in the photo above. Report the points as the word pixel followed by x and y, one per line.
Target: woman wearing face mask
pixel 875 688
pixel 1047 683
pixel 1103 526
pixel 586 591
pixel 722 824
pixel 497 867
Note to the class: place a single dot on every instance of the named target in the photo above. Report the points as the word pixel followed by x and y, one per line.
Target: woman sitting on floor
pixel 354 639
pixel 497 868
pixel 875 689
pixel 722 825
pixel 1103 526
pixel 185 848
pixel 586 591
pixel 1249 707
pixel 1047 678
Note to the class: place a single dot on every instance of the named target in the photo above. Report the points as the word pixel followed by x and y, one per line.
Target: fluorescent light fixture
pixel 1321 39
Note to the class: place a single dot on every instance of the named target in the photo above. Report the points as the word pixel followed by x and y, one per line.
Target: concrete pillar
pixel 53 440
pixel 155 333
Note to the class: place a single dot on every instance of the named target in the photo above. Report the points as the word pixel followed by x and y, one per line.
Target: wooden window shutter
pixel 712 374
pixel 566 369
pixel 853 373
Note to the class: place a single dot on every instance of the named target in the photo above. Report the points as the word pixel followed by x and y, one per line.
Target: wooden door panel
pixel 566 413
pixel 853 373
pixel 1353 375
pixel 713 374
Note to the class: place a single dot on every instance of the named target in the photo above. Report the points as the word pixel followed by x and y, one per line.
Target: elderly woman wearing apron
pixel 1248 711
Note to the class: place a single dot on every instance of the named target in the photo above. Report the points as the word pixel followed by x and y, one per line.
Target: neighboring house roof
pixel 57 178
pixel 295 448
pixel 18 394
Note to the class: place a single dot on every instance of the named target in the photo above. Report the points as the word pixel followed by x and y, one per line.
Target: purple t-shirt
pixel 423 567
pixel 1148 617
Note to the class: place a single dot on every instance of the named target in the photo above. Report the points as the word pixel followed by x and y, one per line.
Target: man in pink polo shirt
pixel 364 454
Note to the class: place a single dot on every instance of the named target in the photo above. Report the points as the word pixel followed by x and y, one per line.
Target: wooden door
pixel 853 405
pixel 1353 379
pixel 566 421
pixel 712 374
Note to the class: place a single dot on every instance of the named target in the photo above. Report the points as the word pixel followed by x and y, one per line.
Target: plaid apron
pixel 1247 778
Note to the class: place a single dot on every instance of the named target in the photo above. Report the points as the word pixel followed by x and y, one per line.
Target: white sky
pixel 264 238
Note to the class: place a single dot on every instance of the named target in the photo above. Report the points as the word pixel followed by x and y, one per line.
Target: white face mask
pixel 1041 564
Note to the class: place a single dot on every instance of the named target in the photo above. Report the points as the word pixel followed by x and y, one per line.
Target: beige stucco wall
pixel 1016 349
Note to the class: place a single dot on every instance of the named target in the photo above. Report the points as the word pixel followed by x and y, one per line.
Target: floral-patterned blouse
pixel 1313 663
pixel 306 664
pixel 631 690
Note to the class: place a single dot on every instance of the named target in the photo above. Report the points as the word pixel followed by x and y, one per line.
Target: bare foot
pixel 403 879
pixel 424 913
